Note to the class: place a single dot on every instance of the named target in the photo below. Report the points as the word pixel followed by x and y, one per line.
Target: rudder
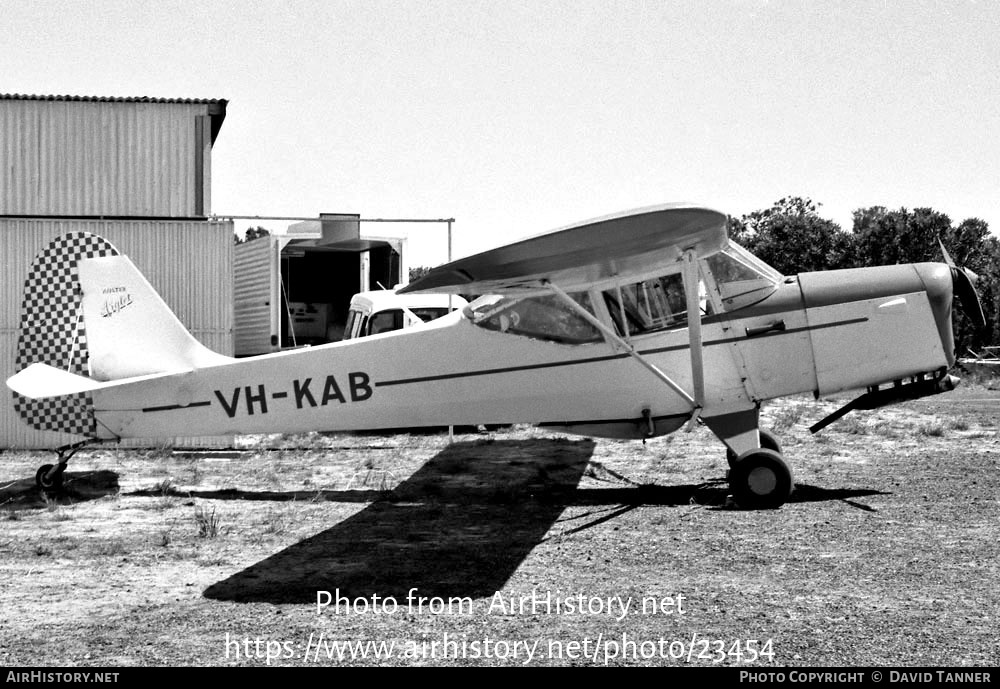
pixel 52 331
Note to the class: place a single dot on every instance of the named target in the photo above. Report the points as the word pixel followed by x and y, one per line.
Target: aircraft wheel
pixel 760 480
pixel 48 484
pixel 768 441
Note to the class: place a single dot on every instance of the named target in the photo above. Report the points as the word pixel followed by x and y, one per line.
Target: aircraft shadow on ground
pixel 711 494
pixel 459 526
pixel 78 486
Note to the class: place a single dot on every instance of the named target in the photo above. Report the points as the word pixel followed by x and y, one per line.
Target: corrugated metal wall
pixel 255 275
pixel 188 262
pixel 94 158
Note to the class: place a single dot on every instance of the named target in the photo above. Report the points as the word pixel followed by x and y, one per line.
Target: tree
pixel 792 237
pixel 988 287
pixel 418 272
pixel 883 237
pixel 251 234
pixel 971 246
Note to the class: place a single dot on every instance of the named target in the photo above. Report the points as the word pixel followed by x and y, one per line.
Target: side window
pixel 428 313
pixel 543 318
pixel 651 305
pixel 385 321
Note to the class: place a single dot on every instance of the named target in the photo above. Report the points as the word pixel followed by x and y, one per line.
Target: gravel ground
pixel 517 547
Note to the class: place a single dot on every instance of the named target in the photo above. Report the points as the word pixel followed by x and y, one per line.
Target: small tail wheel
pixel 768 441
pixel 760 480
pixel 47 482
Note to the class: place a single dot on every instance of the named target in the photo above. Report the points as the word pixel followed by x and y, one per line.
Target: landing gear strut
pixel 49 477
pixel 767 440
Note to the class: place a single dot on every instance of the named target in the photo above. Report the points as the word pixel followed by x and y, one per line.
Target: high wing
pixel 581 255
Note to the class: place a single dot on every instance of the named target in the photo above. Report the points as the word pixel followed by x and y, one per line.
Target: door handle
pixel 777 326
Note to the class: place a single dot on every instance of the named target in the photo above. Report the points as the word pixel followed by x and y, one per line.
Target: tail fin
pixel 130 329
pixel 89 312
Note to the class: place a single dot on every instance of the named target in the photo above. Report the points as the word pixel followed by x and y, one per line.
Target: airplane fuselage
pixel 819 333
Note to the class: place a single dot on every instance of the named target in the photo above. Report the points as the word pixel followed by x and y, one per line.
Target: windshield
pixel 740 277
pixel 543 318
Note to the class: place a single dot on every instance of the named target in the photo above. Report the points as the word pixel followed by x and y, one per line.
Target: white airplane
pixel 587 329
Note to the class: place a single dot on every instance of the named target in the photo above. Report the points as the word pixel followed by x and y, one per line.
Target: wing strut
pixel 694 330
pixel 614 337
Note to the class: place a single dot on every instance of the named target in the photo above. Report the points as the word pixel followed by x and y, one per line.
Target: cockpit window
pixel 544 317
pixel 741 278
pixel 651 305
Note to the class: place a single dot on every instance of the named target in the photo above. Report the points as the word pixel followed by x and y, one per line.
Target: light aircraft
pixel 587 329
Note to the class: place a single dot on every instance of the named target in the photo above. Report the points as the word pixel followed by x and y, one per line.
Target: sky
pixel 519 117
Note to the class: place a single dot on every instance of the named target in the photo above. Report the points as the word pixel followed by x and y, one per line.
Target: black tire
pixel 768 441
pixel 52 483
pixel 760 480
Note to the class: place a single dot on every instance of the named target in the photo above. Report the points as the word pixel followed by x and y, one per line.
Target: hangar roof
pixel 216 106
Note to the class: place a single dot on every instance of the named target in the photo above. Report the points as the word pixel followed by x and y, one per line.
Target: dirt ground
pixel 517 547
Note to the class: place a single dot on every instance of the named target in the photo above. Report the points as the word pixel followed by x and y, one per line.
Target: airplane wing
pixel 617 246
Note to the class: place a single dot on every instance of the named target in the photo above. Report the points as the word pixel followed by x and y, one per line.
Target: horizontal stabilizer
pixel 42 380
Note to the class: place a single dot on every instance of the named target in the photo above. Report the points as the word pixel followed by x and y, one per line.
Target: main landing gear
pixel 758 476
pixel 760 480
pixel 49 477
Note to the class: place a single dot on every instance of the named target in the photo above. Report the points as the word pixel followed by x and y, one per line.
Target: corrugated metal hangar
pixel 136 171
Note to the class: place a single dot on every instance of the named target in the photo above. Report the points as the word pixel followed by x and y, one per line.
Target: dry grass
pixel 208 522
pixel 886 555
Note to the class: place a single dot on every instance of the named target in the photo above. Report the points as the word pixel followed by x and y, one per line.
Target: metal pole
pixel 451 429
pixel 223 216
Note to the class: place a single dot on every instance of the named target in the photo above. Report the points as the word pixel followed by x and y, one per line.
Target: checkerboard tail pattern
pixel 52 331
